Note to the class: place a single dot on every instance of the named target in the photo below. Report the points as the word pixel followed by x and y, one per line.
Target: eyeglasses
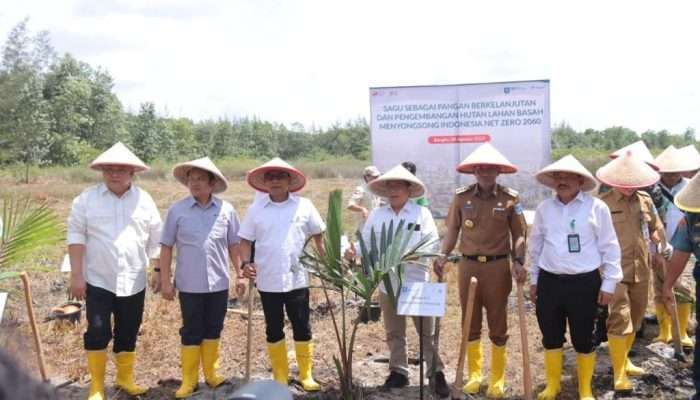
pixel 116 171
pixel 271 176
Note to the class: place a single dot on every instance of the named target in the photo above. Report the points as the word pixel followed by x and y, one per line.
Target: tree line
pixel 58 110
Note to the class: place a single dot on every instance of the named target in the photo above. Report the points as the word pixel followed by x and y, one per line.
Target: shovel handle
pixel 524 348
pixel 676 328
pixel 466 324
pixel 32 321
pixel 249 334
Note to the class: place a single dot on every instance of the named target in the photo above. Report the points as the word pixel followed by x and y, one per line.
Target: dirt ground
pixel 158 344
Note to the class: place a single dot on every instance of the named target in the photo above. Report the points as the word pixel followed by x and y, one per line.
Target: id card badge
pixel 574 243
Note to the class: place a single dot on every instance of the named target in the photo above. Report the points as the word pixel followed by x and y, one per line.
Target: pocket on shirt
pixel 188 231
pixel 618 217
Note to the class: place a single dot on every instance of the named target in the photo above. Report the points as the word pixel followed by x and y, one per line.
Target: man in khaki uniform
pixel 672 164
pixel 490 219
pixel 636 223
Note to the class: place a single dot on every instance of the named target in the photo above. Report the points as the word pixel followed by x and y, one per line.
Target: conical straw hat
pixel 256 176
pixel 566 164
pixel 118 154
pixel 691 152
pixel 486 154
pixel 688 199
pixel 398 173
pixel 673 160
pixel 180 172
pixel 640 150
pixel 627 172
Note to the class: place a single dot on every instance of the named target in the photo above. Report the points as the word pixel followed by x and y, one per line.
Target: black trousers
pixel 572 298
pixel 100 305
pixel 296 303
pixel 203 316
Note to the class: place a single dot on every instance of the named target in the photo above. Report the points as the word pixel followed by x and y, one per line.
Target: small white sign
pixel 65 265
pixel 3 300
pixel 422 299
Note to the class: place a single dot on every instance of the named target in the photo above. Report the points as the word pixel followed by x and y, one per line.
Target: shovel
pixel 466 324
pixel 527 377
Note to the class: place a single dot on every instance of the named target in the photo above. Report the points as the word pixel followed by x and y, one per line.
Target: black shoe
pixel 441 387
pixel 395 380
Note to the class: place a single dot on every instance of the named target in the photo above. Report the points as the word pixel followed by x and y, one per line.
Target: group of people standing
pixel 114 228
pixel 584 253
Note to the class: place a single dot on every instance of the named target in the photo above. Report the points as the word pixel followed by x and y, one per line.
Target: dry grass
pixel 158 343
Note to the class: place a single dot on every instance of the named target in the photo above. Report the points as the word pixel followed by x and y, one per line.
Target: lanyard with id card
pixel 573 239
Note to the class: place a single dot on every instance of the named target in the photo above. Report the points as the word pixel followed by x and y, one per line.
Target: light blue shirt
pixel 202 236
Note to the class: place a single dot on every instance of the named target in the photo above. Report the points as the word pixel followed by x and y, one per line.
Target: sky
pixel 610 63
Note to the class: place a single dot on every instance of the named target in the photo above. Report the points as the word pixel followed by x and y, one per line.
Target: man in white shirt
pixel 574 267
pixel 113 230
pixel 279 224
pixel 398 185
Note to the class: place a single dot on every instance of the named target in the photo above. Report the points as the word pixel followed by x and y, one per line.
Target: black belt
pixel 485 259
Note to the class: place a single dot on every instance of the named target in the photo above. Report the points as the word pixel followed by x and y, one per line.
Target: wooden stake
pixel 32 322
pixel 466 324
pixel 527 376
pixel 249 335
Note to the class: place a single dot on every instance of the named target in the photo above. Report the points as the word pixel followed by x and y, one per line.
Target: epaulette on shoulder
pixel 509 191
pixel 643 194
pixel 464 189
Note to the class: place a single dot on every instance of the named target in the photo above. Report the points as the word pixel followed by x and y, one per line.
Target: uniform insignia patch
pixel 518 208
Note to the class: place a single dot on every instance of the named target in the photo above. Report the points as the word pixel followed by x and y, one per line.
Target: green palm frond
pixel 26 227
pixel 381 260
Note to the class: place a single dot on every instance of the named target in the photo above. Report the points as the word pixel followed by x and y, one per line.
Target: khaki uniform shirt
pixel 635 220
pixel 490 222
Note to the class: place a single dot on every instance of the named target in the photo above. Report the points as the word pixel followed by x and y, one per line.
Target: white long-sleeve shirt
pixel 120 234
pixel 587 217
pixel 415 217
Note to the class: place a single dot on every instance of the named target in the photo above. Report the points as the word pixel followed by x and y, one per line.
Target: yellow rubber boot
pixel 97 364
pixel 585 364
pixel 631 369
pixel 552 368
pixel 210 362
pixel 125 373
pixel 473 367
pixel 304 351
pixel 664 325
pixel 189 358
pixel 278 359
pixel 683 318
pixel 496 388
pixel 617 345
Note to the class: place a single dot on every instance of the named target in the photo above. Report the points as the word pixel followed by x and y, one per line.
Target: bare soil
pixel 158 364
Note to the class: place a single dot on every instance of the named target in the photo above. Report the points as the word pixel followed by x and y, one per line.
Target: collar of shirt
pixel 621 197
pixel 482 193
pixel 579 198
pixel 267 200
pixel 213 202
pixel 103 189
pixel 407 208
pixel 675 188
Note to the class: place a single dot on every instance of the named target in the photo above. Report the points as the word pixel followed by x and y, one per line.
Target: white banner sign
pixel 422 299
pixel 436 127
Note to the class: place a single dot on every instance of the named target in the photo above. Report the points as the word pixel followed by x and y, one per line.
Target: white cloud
pixel 610 63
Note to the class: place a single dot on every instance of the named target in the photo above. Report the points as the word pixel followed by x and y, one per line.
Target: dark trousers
pixel 203 316
pixel 100 305
pixel 296 303
pixel 572 298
